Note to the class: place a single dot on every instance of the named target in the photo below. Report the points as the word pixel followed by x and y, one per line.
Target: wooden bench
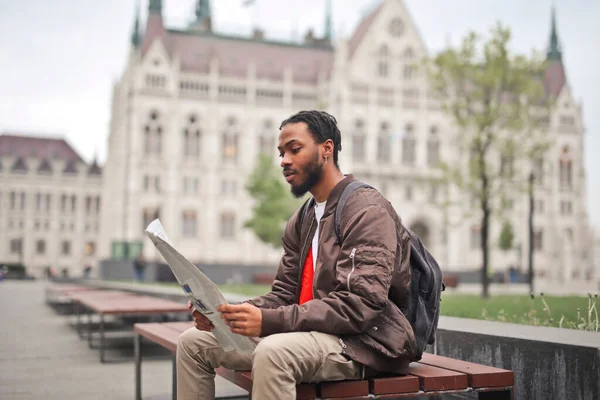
pixel 450 280
pixel 121 304
pixel 59 294
pixel 78 298
pixel 432 376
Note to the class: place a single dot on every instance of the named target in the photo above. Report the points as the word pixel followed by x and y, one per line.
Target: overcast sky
pixel 60 57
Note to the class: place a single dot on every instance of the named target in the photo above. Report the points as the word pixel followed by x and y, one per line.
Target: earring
pixel 325 159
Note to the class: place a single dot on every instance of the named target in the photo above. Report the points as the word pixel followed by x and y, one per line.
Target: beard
pixel 314 172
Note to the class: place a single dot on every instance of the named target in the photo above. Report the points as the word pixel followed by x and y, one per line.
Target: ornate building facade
pixel 50 202
pixel 194 108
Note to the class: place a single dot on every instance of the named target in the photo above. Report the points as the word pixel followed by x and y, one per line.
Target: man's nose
pixel 285 160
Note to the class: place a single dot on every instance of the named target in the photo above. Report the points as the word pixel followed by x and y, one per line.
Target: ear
pixel 328 149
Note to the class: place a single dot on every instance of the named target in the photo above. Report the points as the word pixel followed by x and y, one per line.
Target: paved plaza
pixel 41 356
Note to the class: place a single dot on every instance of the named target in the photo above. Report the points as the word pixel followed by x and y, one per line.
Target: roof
pixel 154 30
pixel 362 29
pixel 15 145
pixel 235 55
pixel 555 78
pixel 196 49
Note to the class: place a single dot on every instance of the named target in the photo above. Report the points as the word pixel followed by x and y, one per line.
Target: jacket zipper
pixel 315 261
pixel 302 258
pixel 352 254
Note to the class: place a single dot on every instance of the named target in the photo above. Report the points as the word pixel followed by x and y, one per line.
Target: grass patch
pixel 247 289
pixel 557 311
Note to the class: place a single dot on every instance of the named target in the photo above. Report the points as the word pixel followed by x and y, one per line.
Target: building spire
pixel 554 50
pixel 203 16
pixel 136 37
pixel 328 24
pixel 155 6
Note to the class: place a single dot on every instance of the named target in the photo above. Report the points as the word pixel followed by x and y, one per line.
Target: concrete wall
pixel 549 363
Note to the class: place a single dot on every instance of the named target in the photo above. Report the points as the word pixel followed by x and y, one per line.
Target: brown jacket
pixel 353 281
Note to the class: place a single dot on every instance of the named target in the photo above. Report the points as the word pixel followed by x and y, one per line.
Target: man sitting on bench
pixel 339 325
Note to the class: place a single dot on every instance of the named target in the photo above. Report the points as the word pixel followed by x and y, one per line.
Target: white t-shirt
pixel 319 210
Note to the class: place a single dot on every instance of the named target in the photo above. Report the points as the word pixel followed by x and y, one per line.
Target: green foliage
pixel 274 204
pixel 248 289
pixel 506 236
pixel 494 99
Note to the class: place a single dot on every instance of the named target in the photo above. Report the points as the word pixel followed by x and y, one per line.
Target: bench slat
pixel 180 326
pixel 132 305
pixel 331 390
pixel 434 378
pixel 479 376
pixel 99 294
pixel 67 289
pixel 243 379
pixel 159 333
pixel 394 385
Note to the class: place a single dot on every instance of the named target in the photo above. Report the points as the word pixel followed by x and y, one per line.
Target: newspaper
pixel 202 292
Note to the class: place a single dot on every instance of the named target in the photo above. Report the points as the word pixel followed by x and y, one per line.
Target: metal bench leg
pixel 101 338
pixel 137 346
pixel 174 389
pixel 78 319
pixel 89 328
pixel 499 395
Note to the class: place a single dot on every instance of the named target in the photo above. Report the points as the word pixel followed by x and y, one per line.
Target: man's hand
pixel 200 321
pixel 243 319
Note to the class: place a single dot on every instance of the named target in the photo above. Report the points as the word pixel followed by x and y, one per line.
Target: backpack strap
pixel 346 193
pixel 301 214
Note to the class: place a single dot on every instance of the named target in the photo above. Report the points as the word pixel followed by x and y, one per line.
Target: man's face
pixel 300 158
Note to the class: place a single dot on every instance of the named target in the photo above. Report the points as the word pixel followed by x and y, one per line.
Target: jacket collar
pixel 335 194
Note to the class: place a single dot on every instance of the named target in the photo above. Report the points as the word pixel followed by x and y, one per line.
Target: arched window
pixel 383 63
pixel 358 141
pixel 409 146
pixel 153 134
pixel 227 225
pixel 422 231
pixel 266 138
pixel 433 147
pixel 383 143
pixel 565 164
pixel 192 135
pixel 408 70
pixel 229 140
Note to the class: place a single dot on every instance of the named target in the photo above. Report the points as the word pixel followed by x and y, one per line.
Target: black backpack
pixel 423 311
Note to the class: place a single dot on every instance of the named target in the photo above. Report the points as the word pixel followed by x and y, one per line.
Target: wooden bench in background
pixel 450 280
pixel 433 375
pixel 58 295
pixel 263 279
pixel 120 305
pixel 78 299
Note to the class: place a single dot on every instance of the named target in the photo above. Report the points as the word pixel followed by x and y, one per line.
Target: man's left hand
pixel 243 319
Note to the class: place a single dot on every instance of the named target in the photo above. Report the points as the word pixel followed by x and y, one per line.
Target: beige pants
pixel 278 363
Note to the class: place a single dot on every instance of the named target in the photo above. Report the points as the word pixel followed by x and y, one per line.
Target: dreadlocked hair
pixel 322 126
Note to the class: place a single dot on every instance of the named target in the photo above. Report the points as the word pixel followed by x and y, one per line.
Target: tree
pixel 274 204
pixel 529 147
pixel 506 237
pixel 489 94
pixel 534 147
